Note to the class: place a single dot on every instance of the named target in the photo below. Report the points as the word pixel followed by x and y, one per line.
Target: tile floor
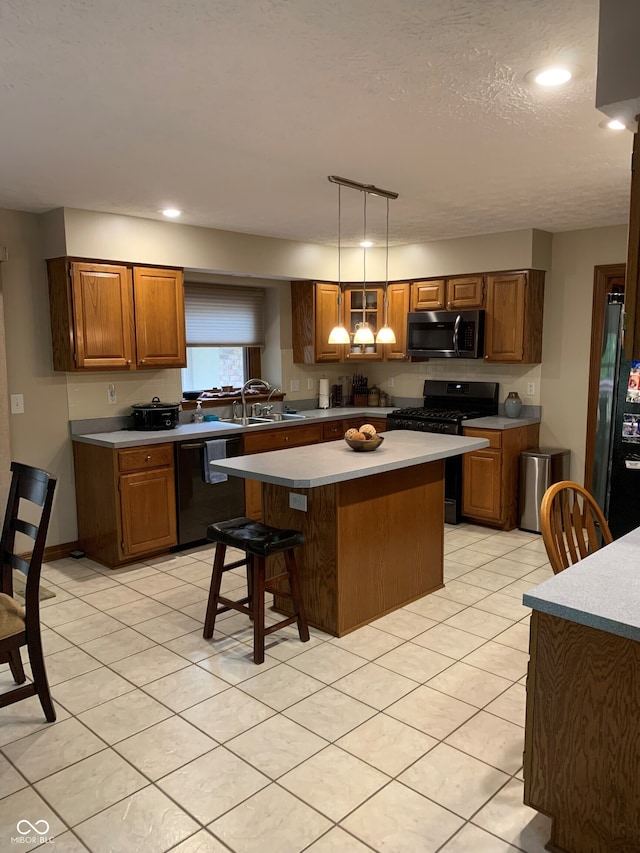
pixel 403 737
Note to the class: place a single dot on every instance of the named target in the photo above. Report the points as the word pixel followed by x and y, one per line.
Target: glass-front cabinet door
pixel 373 315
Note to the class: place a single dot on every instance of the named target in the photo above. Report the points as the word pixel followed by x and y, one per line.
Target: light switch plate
pixel 390 382
pixel 531 388
pixel 111 393
pixel 17 404
pixel 309 384
pixel 294 385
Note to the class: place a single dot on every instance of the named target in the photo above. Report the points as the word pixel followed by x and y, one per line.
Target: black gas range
pixel 446 406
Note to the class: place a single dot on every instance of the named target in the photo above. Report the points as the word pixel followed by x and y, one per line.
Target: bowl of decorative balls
pixel 365 438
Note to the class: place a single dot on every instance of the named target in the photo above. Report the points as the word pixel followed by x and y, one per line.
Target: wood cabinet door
pixel 326 317
pixel 465 292
pixel 353 316
pixel 159 312
pixel 428 295
pixel 504 330
pixel 102 316
pixel 148 511
pixel 482 478
pixel 398 296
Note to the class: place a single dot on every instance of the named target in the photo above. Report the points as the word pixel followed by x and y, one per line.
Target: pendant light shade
pixel 363 335
pixel 339 335
pixel 386 335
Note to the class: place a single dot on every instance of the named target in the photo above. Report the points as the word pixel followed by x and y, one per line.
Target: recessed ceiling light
pixel 553 76
pixel 614 124
pixel 366 244
pixel 171 212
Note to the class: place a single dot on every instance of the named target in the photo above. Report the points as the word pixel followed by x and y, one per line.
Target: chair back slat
pixel 35 488
pixel 570 520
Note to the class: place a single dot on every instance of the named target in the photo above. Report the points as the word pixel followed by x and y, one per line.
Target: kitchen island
pixel 373 521
pixel 582 735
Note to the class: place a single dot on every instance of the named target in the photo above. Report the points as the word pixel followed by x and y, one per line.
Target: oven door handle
pixel 456 330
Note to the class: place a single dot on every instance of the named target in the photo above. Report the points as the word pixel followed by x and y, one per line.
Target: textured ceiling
pixel 237 110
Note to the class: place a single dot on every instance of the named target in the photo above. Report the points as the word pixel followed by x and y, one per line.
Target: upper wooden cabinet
pixel 398 296
pixel 513 322
pixel 314 312
pixel 462 292
pixel 115 317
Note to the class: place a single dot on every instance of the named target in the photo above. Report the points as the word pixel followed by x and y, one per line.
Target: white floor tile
pixel 387 744
pixel 185 688
pixel 227 714
pixel 472 838
pixel 449 641
pixel 415 662
pixel 10 780
pixel 375 685
pixel 74 794
pixel 338 841
pixel 327 663
pixel 118 645
pixel 236 664
pixel 201 842
pixel 510 705
pixel 29 804
pixel 492 740
pixel 276 746
pixel 149 665
pixel 367 642
pixel 213 784
pixel 86 691
pixel 454 780
pixel 281 686
pixel 273 814
pixel 479 622
pixel 469 684
pixel 162 748
pixel 431 712
pixel 507 817
pixel 47 751
pixel 124 716
pixel 329 713
pixel 397 820
pixel 147 820
pixel 500 660
pixel 334 782
pixel 403 623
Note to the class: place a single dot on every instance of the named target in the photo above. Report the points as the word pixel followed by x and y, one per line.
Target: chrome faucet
pixel 268 406
pixel 251 383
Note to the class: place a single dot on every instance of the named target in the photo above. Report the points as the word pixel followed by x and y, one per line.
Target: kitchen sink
pixel 285 416
pixel 276 417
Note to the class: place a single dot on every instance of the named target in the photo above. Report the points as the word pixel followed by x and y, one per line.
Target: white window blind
pixel 217 315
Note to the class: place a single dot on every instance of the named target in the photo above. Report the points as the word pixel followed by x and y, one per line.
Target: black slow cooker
pixel 155 415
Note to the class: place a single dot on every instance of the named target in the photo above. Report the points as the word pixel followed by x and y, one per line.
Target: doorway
pixel 607 279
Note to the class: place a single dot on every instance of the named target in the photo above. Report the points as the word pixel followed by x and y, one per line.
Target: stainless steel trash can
pixel 539 469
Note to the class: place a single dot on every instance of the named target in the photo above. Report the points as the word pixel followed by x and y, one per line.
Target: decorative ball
pixel 369 430
pixel 359 436
pixel 351 433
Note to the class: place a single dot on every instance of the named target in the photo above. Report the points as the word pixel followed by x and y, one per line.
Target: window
pixel 223 324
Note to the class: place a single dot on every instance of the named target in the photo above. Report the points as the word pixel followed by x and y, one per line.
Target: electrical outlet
pixel 297 501
pixel 17 404
pixel 294 385
pixel 531 389
pixel 111 393
pixel 390 382
pixel 309 384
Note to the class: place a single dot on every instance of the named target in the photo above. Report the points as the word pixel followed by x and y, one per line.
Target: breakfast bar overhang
pixel 373 522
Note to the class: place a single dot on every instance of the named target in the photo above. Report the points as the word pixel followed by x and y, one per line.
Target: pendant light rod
pixel 364 188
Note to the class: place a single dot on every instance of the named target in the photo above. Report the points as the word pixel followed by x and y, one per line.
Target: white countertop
pixel 601 591
pixel 217 429
pixel 499 422
pixel 335 462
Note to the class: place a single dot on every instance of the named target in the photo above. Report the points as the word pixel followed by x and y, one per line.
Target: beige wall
pixel 41 435
pixel 567 335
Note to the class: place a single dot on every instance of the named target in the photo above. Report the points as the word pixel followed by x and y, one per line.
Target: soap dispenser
pixel 198 415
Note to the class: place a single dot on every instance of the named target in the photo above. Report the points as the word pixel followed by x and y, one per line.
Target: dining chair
pixel 30 494
pixel 572 523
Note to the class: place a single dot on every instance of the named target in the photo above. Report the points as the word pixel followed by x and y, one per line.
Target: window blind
pixel 217 315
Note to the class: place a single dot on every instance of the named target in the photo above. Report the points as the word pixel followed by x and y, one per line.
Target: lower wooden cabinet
pixel 490 477
pixel 125 500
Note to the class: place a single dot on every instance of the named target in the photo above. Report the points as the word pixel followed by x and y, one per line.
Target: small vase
pixel 512 405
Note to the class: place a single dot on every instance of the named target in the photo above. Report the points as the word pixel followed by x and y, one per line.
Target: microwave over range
pixel 445 334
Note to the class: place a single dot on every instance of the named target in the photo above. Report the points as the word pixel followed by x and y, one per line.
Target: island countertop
pixel 335 462
pixel 602 591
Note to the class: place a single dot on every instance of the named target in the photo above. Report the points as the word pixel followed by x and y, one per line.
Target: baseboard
pixel 55 552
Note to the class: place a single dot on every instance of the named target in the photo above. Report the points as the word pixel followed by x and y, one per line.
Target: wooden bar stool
pixel 258 541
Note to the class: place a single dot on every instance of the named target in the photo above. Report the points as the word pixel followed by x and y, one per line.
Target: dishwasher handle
pixel 195 446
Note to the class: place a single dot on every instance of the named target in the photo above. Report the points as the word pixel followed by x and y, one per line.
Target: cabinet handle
pixel 147 458
pixel 128 361
pixel 142 361
pixel 286 438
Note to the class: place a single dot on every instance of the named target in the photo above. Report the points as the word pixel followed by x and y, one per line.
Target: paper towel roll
pixel 323 388
pixel 323 401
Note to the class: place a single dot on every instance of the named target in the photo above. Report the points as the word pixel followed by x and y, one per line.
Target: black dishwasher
pixel 199 503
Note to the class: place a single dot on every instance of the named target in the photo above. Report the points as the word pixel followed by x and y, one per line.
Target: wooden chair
pixel 568 517
pixel 21 626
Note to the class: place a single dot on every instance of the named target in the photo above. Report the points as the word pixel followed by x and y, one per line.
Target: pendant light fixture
pixel 339 334
pixel 385 334
pixel 364 333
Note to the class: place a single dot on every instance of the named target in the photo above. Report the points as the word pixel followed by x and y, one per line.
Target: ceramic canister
pixel 512 405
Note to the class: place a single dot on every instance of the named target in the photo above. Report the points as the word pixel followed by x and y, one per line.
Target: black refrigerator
pixel 616 467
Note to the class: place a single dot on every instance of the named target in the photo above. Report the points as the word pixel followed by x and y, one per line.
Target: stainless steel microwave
pixel 445 334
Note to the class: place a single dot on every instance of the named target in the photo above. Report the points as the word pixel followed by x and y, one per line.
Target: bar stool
pixel 258 541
